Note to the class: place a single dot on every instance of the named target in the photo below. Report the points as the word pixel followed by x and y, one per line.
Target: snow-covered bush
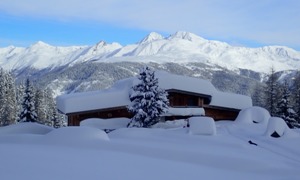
pixel 277 127
pixel 202 126
pixel 26 128
pixel 253 114
pixel 149 101
pixel 76 135
pixel 113 123
pixel 171 124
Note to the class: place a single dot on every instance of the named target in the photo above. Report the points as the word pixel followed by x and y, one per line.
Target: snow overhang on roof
pixel 94 100
pixel 230 100
pixel 185 83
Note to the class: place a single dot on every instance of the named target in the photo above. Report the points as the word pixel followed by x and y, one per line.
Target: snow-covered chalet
pixel 188 97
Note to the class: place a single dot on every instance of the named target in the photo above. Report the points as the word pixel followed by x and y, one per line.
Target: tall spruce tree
pixel 272 92
pixel 10 114
pixel 2 96
pixel 20 92
pixel 28 113
pixel 53 117
pixel 8 104
pixel 259 96
pixel 149 101
pixel 297 95
pixel 40 106
pixel 284 108
pixel 56 121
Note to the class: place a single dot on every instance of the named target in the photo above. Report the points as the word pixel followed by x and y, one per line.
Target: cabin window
pixel 192 101
pixel 176 100
pixel 185 100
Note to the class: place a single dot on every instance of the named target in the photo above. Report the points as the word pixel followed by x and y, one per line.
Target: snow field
pixel 171 152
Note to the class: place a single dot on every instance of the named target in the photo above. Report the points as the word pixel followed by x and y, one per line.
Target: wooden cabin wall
pixel 221 114
pixel 75 119
pixel 185 100
pixel 215 113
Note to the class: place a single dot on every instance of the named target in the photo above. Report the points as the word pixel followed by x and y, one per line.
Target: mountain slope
pixel 181 47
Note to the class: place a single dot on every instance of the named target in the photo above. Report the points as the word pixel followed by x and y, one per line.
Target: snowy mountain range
pixel 181 47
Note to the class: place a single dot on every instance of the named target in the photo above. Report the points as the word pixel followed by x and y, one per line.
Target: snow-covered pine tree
pixel 28 113
pixel 40 106
pixel 258 96
pixel 271 92
pixel 2 96
pixel 284 108
pixel 20 92
pixel 53 117
pixel 10 114
pixel 297 95
pixel 149 101
pixel 8 104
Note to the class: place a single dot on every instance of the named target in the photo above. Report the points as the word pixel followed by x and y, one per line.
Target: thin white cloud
pixel 264 21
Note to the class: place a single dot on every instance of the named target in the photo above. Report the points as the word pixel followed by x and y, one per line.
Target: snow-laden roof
pixel 118 94
pixel 184 83
pixel 79 102
pixel 230 100
pixel 169 81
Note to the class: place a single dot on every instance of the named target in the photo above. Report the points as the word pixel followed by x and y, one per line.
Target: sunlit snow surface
pixel 136 153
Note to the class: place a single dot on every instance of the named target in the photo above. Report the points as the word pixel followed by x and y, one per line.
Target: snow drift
pixel 202 126
pixel 113 123
pixel 253 114
pixel 277 127
pixel 171 124
pixel 26 128
pixel 76 135
pixel 87 153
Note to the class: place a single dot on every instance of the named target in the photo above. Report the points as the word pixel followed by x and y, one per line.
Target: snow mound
pixel 202 126
pixel 76 135
pixel 253 114
pixel 113 123
pixel 25 128
pixel 171 124
pixel 135 133
pixel 277 127
pixel 185 112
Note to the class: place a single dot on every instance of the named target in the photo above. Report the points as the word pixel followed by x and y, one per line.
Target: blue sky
pixel 86 22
